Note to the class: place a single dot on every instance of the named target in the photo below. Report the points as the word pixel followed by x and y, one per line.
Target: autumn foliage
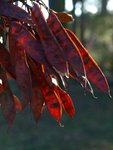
pixel 34 52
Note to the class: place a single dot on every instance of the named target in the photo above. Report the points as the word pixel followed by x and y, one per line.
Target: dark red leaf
pixel 72 52
pixel 85 84
pixel 5 60
pixel 94 73
pixel 63 16
pixel 13 11
pixel 23 77
pixel 1 26
pixel 52 49
pixel 66 101
pixel 37 100
pixel 27 41
pixel 51 101
pixel 22 71
pixel 47 67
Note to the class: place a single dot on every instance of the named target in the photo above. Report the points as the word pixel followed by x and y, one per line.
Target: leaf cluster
pixel 38 54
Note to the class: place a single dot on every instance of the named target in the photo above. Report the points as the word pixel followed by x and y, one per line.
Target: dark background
pixel 90 129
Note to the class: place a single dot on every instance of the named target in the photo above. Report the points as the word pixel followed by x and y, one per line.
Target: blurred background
pixel 92 126
pixel 93 25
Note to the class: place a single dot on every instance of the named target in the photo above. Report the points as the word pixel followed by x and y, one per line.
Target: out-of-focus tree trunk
pixel 103 9
pixel 73 14
pixel 57 5
pixel 82 25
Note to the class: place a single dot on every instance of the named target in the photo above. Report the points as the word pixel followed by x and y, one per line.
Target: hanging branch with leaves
pixel 41 55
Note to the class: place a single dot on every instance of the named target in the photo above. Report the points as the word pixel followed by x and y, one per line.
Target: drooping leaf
pixel 12 11
pixel 66 101
pixel 52 49
pixel 5 60
pixel 32 45
pixel 37 100
pixel 50 98
pixel 93 71
pixel 46 65
pixel 86 85
pixel 22 70
pixel 27 42
pixel 63 16
pixel 23 77
pixel 72 52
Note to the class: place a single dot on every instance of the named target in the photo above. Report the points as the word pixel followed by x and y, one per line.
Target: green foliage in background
pixel 96 32
pixel 99 37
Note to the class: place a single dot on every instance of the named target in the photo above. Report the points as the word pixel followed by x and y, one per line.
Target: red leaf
pixel 1 28
pixel 93 72
pixel 86 85
pixel 37 100
pixel 5 60
pixel 47 67
pixel 50 98
pixel 23 79
pixel 52 49
pixel 6 98
pixel 12 11
pixel 27 41
pixel 72 52
pixel 63 16
pixel 66 101
pixel 22 71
